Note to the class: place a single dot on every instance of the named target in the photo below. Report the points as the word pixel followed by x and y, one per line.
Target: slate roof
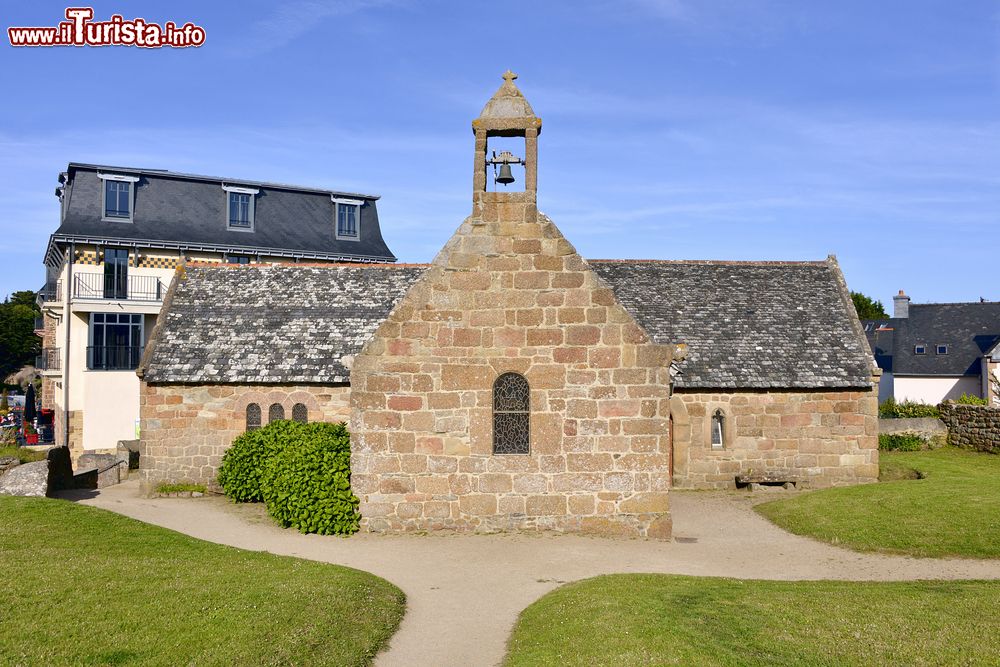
pixel 270 324
pixel 748 324
pixel 970 330
pixel 189 211
pixel 764 325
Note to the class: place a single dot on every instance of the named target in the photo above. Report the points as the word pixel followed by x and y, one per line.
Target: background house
pixel 122 233
pixel 936 351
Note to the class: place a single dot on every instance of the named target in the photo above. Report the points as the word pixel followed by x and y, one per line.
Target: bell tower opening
pixel 505 170
pixel 506 153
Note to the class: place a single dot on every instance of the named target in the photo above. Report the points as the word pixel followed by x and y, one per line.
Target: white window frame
pixel 131 180
pixel 253 206
pixel 337 203
pixel 941 346
pixel 920 348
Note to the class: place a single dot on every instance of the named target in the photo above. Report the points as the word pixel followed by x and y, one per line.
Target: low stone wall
pixel 972 426
pixel 818 438
pixel 185 429
pixel 930 429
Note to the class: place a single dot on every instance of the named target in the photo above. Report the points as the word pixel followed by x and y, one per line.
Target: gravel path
pixel 464 592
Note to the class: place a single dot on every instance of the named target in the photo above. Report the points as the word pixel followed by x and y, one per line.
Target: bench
pixel 753 479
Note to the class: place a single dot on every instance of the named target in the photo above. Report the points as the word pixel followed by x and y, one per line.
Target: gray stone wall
pixel 972 426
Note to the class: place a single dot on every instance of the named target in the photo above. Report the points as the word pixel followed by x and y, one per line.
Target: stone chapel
pixel 511 384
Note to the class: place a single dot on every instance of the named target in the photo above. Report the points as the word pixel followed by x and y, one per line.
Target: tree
pixel 868 308
pixel 18 343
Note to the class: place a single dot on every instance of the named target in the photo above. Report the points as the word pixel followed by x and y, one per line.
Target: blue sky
pixel 679 129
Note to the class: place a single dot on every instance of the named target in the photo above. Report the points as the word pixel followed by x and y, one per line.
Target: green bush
pixel 900 442
pixel 890 409
pixel 244 462
pixel 971 399
pixel 308 485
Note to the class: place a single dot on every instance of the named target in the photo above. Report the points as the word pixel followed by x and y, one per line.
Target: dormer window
pixel 942 349
pixel 116 197
pixel 347 214
pixel 240 208
pixel 919 349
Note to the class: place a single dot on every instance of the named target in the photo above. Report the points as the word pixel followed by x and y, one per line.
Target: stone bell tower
pixel 506 114
pixel 509 390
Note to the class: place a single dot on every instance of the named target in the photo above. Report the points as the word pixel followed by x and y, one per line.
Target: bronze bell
pixel 505 176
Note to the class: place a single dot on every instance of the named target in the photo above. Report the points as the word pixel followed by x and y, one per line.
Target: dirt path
pixel 464 592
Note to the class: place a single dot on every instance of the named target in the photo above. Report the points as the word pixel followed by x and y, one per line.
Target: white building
pixel 123 235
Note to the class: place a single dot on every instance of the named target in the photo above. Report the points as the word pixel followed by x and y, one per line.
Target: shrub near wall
pixel 301 471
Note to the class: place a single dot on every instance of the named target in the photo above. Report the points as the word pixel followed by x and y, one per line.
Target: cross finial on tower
pixel 509 76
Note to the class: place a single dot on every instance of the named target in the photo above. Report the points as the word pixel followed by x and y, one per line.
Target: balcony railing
pixel 113 357
pixel 51 291
pixel 119 288
pixel 48 360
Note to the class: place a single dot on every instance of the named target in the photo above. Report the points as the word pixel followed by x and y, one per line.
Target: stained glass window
pixel 511 399
pixel 253 417
pixel 300 413
pixel 275 412
pixel 718 426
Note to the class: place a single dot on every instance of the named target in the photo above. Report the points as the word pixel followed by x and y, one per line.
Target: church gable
pixel 439 438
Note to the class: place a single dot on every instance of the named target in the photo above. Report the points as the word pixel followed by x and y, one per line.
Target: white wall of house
pixel 886 387
pixel 110 408
pixel 933 390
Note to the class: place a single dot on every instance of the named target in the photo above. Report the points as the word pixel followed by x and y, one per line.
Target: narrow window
pixel 348 213
pixel 237 259
pixel 275 413
pixel 115 272
pixel 239 210
pixel 253 417
pixel 300 413
pixel 511 399
pixel 117 199
pixel 919 349
pixel 942 349
pixel 718 429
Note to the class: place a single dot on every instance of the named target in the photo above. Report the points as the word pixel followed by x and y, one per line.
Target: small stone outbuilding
pixel 513 385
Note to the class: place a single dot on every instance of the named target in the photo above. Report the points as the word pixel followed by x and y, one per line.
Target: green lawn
pixel 953 511
pixel 82 586
pixel 652 619
pixel 22 453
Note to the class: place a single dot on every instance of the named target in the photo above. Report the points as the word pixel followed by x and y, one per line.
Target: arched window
pixel 253 417
pixel 511 397
pixel 275 413
pixel 718 429
pixel 300 413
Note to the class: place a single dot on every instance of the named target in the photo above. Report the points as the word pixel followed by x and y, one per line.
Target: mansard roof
pixel 766 325
pixel 969 331
pixel 756 325
pixel 188 211
pixel 253 324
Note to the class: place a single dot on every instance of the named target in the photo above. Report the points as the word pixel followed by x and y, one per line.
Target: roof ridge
pixel 305 265
pixel 956 303
pixel 166 173
pixel 724 262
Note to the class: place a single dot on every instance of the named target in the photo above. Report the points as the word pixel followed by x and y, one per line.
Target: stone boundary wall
pixel 820 438
pixel 925 427
pixel 185 429
pixel 972 426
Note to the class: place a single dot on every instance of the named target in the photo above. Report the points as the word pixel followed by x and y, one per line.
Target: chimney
pixel 901 305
